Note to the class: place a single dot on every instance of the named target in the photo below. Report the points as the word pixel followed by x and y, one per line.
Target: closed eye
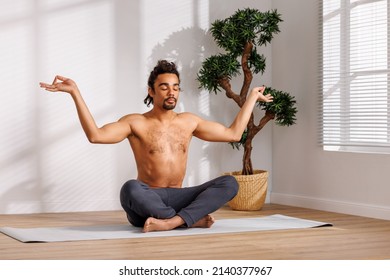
pixel 165 86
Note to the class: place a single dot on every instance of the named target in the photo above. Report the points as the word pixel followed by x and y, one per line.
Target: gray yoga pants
pixel 191 204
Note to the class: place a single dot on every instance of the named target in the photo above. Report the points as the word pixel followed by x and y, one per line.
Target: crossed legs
pixel 168 208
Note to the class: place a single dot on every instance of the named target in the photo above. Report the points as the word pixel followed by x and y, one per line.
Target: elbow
pixel 236 138
pixel 233 135
pixel 93 139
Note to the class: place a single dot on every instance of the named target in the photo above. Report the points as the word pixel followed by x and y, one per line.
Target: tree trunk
pixel 252 130
pixel 248 76
pixel 246 160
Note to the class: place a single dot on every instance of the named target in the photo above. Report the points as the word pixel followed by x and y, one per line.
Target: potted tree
pixel 240 36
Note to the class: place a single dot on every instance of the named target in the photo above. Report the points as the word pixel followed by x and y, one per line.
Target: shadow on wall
pixel 188 48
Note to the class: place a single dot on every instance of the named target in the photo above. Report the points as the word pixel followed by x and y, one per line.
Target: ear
pixel 151 92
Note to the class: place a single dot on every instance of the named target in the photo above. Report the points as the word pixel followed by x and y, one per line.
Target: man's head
pixel 162 67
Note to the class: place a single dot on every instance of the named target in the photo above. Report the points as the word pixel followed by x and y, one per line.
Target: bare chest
pixel 164 140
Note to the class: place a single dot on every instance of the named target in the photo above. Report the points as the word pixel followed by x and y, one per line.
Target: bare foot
pixel 206 222
pixel 153 224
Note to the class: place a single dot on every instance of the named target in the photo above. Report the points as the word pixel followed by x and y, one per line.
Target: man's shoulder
pixel 188 115
pixel 132 117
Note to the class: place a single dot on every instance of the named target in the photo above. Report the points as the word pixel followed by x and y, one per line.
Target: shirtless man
pixel 160 139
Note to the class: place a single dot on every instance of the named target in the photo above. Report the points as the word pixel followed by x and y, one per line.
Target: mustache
pixel 170 98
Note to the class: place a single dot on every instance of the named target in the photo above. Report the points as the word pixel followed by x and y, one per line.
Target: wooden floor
pixel 351 237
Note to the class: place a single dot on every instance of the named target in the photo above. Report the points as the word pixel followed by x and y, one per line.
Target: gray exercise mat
pixel 60 234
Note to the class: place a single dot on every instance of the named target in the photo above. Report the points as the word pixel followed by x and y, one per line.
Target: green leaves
pixel 215 68
pixel 268 27
pixel 240 36
pixel 248 25
pixel 231 34
pixel 256 62
pixel 283 106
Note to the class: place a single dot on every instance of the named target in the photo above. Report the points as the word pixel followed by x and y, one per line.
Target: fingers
pixel 58 77
pixel 260 89
pixel 269 98
pixel 61 78
pixel 265 98
pixel 53 86
pixel 48 87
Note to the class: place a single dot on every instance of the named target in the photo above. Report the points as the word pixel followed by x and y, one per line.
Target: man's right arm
pixel 110 133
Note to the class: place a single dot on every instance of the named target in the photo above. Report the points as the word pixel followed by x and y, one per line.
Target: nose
pixel 171 91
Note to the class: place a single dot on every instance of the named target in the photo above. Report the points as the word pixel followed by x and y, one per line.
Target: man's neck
pixel 162 115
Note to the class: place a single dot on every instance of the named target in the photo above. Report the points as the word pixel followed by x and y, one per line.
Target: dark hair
pixel 162 67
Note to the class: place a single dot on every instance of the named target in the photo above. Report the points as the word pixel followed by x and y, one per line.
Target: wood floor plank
pixel 351 237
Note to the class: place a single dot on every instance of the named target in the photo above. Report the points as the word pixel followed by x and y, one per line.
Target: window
pixel 355 75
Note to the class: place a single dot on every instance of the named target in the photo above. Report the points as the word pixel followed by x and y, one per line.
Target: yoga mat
pixel 59 234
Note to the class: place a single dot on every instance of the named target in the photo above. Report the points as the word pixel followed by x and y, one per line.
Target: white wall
pixel 108 47
pixel 46 163
pixel 304 174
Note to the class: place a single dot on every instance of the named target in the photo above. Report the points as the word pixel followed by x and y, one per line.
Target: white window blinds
pixel 355 73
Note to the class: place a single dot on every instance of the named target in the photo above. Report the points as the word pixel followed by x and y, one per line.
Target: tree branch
pixel 264 120
pixel 225 84
pixel 248 76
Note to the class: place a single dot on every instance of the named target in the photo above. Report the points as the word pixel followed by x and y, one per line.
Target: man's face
pixel 166 91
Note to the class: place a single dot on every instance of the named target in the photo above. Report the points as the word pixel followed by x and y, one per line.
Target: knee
pixel 231 185
pixel 127 191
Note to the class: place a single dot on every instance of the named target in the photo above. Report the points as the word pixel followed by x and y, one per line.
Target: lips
pixel 171 100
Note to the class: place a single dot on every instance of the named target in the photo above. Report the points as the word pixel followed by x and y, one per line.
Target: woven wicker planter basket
pixel 252 191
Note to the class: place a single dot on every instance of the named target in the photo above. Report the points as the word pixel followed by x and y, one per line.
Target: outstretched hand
pixel 60 83
pixel 260 93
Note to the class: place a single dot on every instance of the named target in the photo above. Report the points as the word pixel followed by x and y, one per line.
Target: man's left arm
pixel 216 132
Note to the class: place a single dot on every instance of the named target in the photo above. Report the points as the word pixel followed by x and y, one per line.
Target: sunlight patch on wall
pixel 46 163
pixel 58 4
pixel 203 17
pixel 12 10
pixel 161 19
pixel 16 99
pixel 17 171
pixel 82 173
pixel 78 43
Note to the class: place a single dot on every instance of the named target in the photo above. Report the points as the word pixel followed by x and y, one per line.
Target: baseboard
pixel 365 210
pixel 34 206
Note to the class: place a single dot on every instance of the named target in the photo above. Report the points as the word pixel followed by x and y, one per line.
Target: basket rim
pixel 256 173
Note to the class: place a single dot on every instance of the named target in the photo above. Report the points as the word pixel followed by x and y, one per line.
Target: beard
pixel 169 106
